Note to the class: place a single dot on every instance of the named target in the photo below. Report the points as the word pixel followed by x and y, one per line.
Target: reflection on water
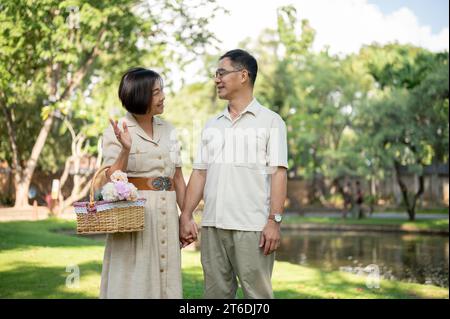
pixel 411 258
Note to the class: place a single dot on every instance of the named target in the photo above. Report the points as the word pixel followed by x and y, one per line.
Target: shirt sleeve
pixel 111 147
pixel 201 159
pixel 175 148
pixel 277 150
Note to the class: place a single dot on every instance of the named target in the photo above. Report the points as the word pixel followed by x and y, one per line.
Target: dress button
pixel 162 270
pixel 163 198
pixel 163 227
pixel 163 242
pixel 163 212
pixel 160 157
pixel 163 256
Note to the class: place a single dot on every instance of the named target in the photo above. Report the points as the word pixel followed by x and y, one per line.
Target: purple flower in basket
pixel 123 191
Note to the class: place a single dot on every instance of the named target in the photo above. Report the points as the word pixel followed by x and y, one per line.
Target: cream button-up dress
pixel 145 264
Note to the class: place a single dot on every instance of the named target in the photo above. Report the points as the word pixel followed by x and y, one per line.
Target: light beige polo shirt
pixel 240 157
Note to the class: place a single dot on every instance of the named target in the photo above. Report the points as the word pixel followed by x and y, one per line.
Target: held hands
pixel 188 230
pixel 270 237
pixel 124 136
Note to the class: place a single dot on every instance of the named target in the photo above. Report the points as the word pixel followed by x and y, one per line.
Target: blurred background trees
pixel 376 114
pixel 57 57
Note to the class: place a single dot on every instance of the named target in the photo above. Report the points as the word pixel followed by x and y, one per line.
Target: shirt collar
pixel 253 108
pixel 131 122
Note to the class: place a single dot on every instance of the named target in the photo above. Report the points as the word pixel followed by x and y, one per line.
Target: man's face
pixel 228 79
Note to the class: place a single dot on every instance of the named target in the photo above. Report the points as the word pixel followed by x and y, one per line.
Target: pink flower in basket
pixel 119 188
pixel 123 190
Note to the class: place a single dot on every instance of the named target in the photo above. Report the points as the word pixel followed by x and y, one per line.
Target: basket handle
pixel 91 192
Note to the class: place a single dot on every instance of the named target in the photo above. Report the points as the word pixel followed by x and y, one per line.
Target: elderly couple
pixel 239 171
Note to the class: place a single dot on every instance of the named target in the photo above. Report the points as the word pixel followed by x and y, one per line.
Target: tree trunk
pixel 373 195
pixel 22 181
pixel 418 194
pixel 21 184
pixel 410 204
pixel 338 186
pixel 22 194
pixel 312 195
pixel 340 189
pixel 81 184
pixel 23 174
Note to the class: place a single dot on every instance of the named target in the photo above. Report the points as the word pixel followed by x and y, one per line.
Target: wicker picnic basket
pixel 107 216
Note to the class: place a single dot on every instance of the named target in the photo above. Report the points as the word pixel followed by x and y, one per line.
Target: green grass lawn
pixel 34 258
pixel 435 224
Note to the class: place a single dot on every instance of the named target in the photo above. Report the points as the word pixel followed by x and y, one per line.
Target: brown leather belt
pixel 159 183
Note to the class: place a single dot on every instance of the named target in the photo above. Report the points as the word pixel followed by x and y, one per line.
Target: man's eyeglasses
pixel 220 73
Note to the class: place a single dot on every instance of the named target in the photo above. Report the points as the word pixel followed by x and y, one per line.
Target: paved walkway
pixel 386 215
pixel 32 213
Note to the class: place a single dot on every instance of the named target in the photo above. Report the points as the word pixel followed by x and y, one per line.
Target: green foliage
pixel 409 125
pixel 353 115
pixel 316 94
pixel 188 110
pixel 66 58
pixel 396 65
pixel 347 116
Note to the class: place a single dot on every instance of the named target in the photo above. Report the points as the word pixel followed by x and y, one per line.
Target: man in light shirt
pixel 240 171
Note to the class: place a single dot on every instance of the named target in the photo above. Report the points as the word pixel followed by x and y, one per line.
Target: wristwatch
pixel 276 217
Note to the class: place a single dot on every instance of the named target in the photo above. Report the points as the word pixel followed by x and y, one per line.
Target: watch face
pixel 278 218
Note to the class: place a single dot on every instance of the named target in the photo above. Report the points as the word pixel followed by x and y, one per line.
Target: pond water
pixel 412 258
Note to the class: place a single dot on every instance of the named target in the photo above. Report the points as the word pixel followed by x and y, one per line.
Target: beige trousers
pixel 227 254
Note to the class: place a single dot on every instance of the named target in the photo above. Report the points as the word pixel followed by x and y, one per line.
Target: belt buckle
pixel 162 183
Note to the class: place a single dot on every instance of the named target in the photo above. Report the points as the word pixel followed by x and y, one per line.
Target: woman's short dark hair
pixel 242 59
pixel 136 89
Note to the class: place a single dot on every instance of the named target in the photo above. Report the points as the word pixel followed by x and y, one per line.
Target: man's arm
pixel 180 186
pixel 270 237
pixel 278 190
pixel 194 193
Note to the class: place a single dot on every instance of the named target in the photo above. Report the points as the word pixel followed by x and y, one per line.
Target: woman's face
pixel 158 96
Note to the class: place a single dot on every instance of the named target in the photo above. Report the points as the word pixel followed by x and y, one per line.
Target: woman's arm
pixel 121 163
pixel 124 139
pixel 180 186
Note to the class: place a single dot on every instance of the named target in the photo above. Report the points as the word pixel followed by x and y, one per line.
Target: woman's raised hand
pixel 124 136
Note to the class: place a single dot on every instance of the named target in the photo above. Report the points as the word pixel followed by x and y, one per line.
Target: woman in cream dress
pixel 145 264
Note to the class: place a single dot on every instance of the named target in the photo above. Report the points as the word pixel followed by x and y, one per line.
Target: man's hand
pixel 270 237
pixel 188 230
